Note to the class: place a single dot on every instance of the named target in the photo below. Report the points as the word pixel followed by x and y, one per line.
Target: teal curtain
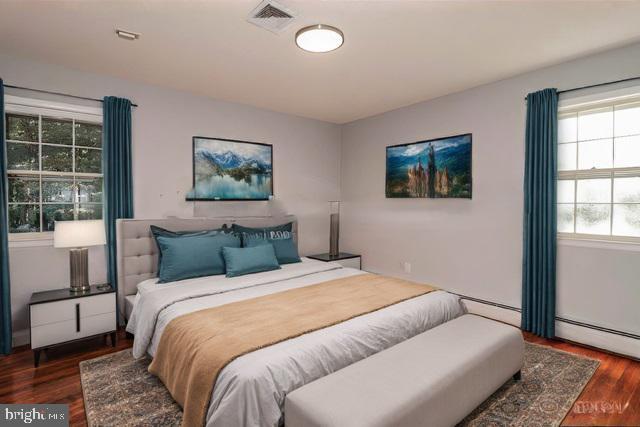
pixel 539 252
pixel 116 167
pixel 5 287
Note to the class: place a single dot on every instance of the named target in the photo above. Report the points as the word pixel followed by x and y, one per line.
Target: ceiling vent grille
pixel 269 11
pixel 272 16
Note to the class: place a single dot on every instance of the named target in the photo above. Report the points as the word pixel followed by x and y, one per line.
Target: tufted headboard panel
pixel 138 253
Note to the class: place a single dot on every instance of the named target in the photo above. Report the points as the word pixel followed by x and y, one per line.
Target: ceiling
pixel 395 53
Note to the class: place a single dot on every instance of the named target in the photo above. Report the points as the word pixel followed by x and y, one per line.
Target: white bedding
pixel 129 302
pixel 250 391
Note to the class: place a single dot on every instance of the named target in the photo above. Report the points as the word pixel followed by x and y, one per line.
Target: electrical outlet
pixel 407 267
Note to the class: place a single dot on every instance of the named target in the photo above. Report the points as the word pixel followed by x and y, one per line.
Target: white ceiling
pixel 395 53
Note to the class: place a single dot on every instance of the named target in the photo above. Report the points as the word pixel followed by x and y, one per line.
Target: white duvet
pixel 250 391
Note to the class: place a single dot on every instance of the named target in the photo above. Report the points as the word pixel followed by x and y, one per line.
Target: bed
pixel 251 389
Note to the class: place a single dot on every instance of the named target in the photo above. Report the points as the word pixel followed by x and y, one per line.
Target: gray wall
pixel 473 247
pixel 468 246
pixel 306 165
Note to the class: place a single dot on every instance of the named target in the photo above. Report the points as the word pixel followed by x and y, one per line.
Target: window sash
pixel 51 110
pixel 611 173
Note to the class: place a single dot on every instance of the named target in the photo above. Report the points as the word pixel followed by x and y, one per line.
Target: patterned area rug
pixel 551 382
pixel 119 390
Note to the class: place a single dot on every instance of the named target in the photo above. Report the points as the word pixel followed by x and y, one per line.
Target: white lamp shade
pixel 79 234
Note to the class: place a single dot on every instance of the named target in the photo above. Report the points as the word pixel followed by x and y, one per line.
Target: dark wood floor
pixel 612 397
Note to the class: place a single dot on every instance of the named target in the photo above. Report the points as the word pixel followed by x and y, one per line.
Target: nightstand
pixel 60 316
pixel 344 259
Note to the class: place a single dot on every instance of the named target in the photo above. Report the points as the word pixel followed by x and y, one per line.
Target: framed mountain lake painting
pixel 435 168
pixel 225 169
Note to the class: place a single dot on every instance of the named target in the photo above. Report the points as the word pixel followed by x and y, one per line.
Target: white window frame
pixel 43 108
pixel 588 102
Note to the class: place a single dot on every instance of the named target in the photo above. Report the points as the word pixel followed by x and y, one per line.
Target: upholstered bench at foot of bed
pixel 433 379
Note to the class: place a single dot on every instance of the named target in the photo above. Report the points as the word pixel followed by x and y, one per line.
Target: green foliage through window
pixel 88 135
pixel 22 156
pixel 21 127
pixel 54 171
pixel 55 131
pixel 24 189
pixel 57 189
pixel 24 218
pixel 57 159
pixel 88 160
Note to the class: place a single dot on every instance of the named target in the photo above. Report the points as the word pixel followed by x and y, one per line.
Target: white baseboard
pixel 511 317
pixel 599 339
pixel 21 337
pixel 579 334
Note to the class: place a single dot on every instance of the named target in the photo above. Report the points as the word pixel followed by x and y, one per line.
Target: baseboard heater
pixel 558 318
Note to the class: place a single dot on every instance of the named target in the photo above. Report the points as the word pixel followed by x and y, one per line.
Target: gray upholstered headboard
pixel 138 254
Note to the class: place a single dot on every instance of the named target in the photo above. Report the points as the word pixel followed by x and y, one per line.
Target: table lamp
pixel 78 235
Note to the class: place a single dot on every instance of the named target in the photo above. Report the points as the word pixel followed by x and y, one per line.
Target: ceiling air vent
pixel 272 16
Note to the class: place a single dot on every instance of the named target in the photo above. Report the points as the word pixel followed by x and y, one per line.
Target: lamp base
pixel 334 234
pixel 79 268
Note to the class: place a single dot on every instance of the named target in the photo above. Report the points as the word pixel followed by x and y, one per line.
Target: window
pixel 599 170
pixel 54 164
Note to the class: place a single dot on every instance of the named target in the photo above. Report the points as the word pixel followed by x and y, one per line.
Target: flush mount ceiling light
pixel 319 38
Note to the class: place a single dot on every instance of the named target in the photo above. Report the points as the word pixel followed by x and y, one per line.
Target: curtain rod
pixel 59 93
pixel 596 85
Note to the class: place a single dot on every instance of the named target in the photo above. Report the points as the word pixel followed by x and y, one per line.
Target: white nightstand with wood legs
pixel 60 316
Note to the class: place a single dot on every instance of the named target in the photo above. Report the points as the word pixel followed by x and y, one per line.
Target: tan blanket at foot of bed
pixel 195 347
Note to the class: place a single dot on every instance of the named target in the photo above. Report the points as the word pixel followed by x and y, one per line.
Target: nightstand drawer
pixel 65 310
pixel 54 333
